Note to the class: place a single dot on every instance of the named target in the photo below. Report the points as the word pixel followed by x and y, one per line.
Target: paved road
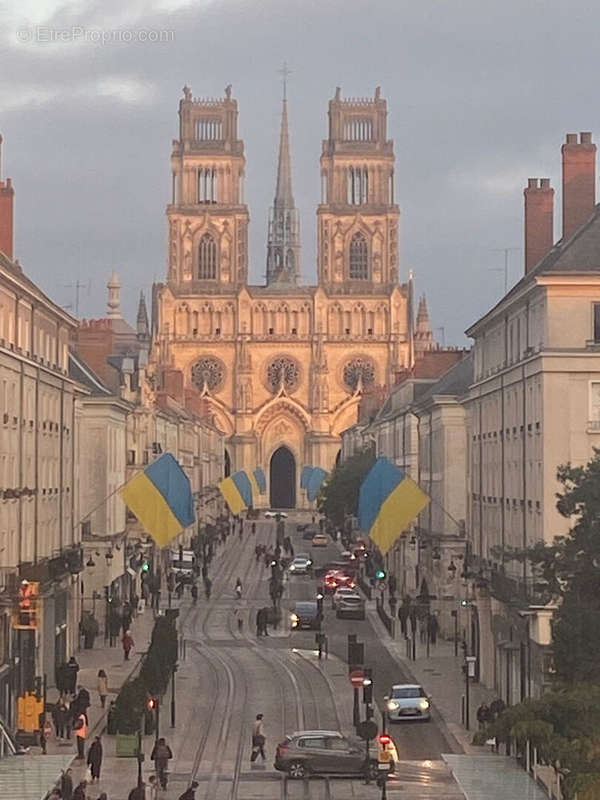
pixel 228 677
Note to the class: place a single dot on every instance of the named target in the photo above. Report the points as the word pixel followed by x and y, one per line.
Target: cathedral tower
pixel 283 245
pixel 357 217
pixel 208 220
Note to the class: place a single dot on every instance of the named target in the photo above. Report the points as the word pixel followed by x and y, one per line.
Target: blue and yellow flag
pixel 315 481
pixel 161 498
pixel 237 491
pixel 388 502
pixel 261 481
pixel 305 476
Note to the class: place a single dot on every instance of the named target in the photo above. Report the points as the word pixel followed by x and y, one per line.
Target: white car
pixel 407 701
pixel 342 592
pixel 273 514
pixel 301 565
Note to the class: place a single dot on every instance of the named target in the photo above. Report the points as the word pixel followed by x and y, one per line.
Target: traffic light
pixel 25 611
pixel 151 703
pixel 367 687
pixel 380 574
pixel 145 565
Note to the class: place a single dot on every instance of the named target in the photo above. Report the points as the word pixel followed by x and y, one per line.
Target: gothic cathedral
pixel 282 366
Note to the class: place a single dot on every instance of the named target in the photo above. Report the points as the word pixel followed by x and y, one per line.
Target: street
pixel 229 676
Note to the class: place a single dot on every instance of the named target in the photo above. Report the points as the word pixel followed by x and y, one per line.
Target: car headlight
pixel 294 619
pixel 423 704
pixel 309 562
pixel 393 705
pixel 292 568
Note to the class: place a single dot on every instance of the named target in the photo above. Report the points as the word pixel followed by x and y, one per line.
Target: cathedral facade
pixel 282 366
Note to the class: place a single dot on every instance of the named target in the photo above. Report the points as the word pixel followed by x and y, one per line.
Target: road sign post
pixel 367 730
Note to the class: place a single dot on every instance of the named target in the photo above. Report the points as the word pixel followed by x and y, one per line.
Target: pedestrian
pixel 94 758
pixel 81 703
pixel 126 616
pixel 484 715
pixel 238 589
pixel 207 587
pixel 102 686
pixel 81 730
pixel 71 675
pixel 114 626
pixel 253 527
pixel 66 784
pixel 128 643
pixel 138 792
pixel 258 739
pixel 153 788
pixel 392 583
pixel 55 794
pixel 161 754
pixel 43 738
pixel 194 592
pixel 190 793
pixel 497 706
pixel 60 712
pixel 259 622
pixel 257 552
pixel 79 793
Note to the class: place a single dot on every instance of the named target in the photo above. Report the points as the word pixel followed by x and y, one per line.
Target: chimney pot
pixel 539 219
pixel 578 181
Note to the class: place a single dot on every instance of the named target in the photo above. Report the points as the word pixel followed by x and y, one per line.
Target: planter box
pixel 127 745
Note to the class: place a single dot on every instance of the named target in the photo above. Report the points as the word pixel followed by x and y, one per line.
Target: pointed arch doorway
pixel 282 478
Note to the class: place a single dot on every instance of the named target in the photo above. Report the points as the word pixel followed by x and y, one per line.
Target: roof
pixel 454 382
pixel 84 374
pixel 578 254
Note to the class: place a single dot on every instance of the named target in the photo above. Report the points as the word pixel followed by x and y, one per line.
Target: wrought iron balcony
pixel 519 592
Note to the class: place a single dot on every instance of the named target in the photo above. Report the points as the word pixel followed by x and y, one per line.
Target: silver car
pixel 407 701
pixel 301 565
pixel 348 603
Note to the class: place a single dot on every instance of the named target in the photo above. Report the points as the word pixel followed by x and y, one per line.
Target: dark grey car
pixel 323 752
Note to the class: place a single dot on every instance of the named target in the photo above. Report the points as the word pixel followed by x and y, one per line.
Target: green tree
pixel 339 494
pixel 571 567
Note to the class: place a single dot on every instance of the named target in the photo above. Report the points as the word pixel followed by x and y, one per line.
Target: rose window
pixel 209 371
pixel 359 368
pixel 283 369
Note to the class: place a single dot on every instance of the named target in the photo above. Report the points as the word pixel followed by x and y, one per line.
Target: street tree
pixel 339 494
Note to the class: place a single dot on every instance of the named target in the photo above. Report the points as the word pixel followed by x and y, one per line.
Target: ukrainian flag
pixel 388 502
pixel 261 481
pixel 315 481
pixel 253 486
pixel 237 491
pixel 305 476
pixel 161 498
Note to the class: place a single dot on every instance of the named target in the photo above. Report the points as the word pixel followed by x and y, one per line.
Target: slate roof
pixel 455 382
pixel 85 375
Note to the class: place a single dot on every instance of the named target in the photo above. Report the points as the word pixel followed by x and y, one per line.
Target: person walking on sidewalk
pixel 153 788
pixel 128 643
pixel 194 593
pixel 71 675
pixel 66 784
pixel 102 686
pixel 161 754
pixel 60 712
pixel 94 759
pixel 81 730
pixel 484 715
pixel 79 793
pixel 258 739
pixel 190 793
pixel 126 617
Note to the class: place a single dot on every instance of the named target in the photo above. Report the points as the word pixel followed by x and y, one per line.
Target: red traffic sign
pixel 357 677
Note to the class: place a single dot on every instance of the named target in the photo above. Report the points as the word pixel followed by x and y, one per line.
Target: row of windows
pixel 358 129
pixel 209 130
pixel 508 501
pixel 515 431
pixel 207 185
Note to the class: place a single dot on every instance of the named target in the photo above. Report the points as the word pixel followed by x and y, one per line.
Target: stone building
pixel 282 366
pixel 39 479
pixel 534 404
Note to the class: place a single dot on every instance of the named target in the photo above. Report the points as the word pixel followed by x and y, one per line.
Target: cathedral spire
pixel 142 325
pixel 283 245
pixel 423 333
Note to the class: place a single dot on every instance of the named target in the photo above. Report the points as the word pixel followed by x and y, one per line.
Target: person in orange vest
pixel 81 731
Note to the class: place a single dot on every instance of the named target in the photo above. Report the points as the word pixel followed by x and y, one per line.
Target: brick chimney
pixel 7 194
pixel 539 220
pixel 579 181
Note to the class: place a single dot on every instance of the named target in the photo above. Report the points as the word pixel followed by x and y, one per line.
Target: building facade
pixel 281 366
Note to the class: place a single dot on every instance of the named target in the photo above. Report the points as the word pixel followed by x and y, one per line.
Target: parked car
pixel 407 701
pixel 319 540
pixel 300 565
pixel 306 615
pixel 349 604
pixel 323 752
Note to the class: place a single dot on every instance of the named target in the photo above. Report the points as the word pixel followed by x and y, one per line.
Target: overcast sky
pixel 480 95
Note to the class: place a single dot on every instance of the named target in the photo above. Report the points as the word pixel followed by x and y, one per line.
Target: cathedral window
pixel 207 185
pixel 283 370
pixel 359 258
pixel 208 371
pixel 357 185
pixel 207 258
pixel 356 369
pixel 290 261
pixel 357 129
